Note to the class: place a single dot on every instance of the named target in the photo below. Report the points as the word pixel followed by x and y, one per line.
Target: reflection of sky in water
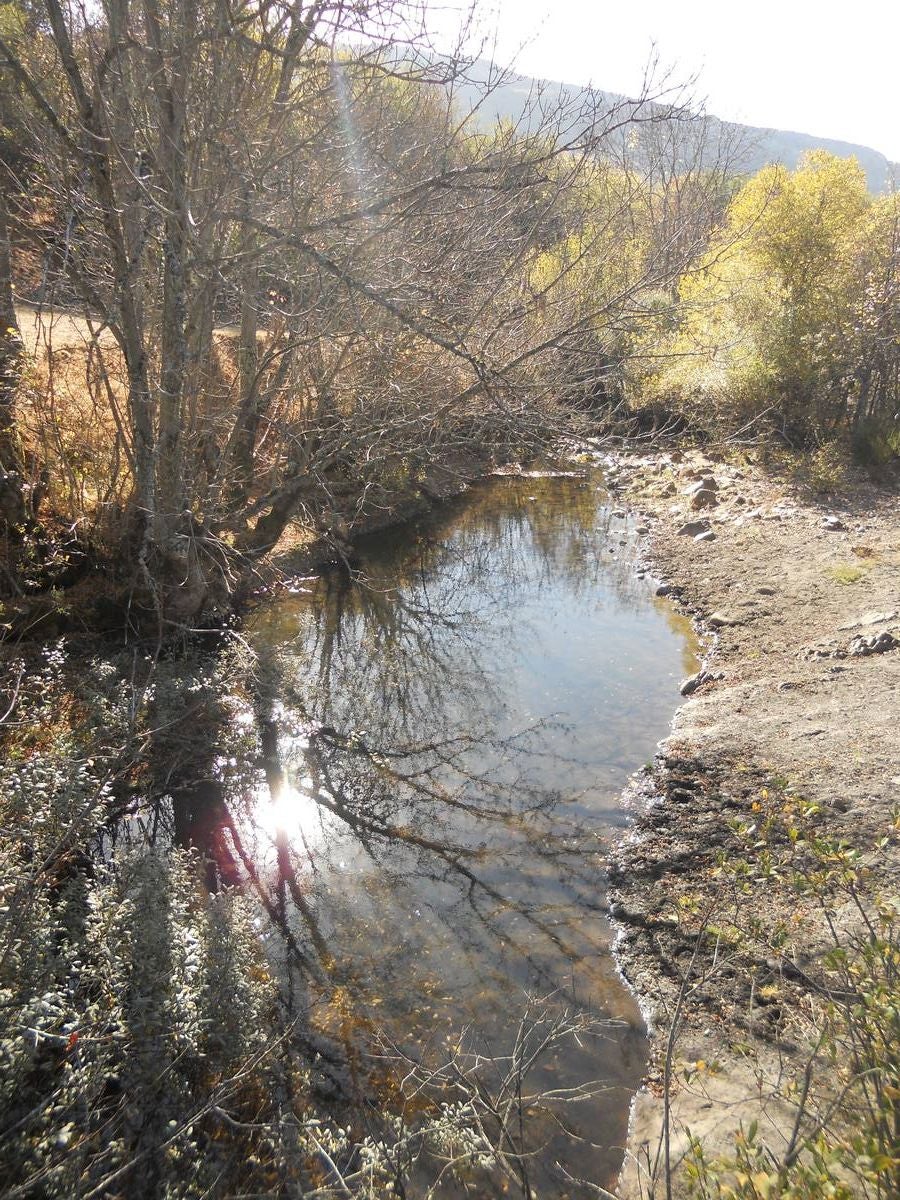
pixel 504 660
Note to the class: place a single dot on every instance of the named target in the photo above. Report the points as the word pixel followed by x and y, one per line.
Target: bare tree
pixel 302 172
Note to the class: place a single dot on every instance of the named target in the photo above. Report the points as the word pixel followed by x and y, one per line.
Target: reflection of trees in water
pixel 379 714
pixel 370 706
pixel 543 530
pixel 381 710
pixel 388 714
pixel 376 652
pixel 450 808
pixel 563 529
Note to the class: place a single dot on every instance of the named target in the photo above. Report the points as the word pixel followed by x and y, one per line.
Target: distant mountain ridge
pixel 510 99
pixel 787 147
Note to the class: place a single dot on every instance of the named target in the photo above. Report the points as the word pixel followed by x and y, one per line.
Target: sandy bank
pixel 800 604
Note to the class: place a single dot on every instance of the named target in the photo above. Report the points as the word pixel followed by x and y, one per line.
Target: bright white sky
pixel 814 66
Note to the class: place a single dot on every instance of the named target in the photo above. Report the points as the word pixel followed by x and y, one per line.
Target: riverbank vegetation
pixel 828 1124
pixel 298 278
pixel 294 283
pixel 791 322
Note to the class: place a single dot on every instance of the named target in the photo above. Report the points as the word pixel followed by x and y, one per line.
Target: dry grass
pixel 847 573
pixel 72 410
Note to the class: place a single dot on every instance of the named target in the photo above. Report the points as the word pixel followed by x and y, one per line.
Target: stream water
pixel 455 723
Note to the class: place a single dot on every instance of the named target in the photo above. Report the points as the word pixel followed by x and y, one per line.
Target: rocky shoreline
pixel 798 601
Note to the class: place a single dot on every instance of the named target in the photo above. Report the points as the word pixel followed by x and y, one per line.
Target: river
pixel 449 728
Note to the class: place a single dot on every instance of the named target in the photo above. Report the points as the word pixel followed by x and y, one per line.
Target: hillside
pixel 514 99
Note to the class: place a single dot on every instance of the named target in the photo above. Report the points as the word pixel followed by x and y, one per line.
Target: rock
pixel 765 591
pixel 619 514
pixel 878 643
pixel 702 494
pixel 642 529
pixel 666 589
pixel 720 621
pixel 704 498
pixel 706 536
pixel 704 483
pixel 871 618
pixel 692 528
pixel 690 685
pixel 833 525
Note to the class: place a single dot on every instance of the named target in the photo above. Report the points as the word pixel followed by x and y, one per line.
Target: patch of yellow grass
pixel 847 573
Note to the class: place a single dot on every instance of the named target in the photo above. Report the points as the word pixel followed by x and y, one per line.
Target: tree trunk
pixel 12 498
pixel 244 440
pixel 169 84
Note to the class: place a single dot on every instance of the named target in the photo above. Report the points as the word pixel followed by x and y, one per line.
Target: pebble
pixel 720 620
pixel 692 528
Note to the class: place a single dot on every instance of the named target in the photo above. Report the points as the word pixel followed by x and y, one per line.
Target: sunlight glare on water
pixel 455 725
pixel 292 812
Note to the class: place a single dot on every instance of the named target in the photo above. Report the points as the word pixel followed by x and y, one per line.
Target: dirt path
pixel 800 602
pixel 65 329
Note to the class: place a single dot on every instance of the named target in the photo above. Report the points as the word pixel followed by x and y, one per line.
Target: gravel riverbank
pixel 798 702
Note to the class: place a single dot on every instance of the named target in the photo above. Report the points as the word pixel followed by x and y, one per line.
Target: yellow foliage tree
pixel 773 317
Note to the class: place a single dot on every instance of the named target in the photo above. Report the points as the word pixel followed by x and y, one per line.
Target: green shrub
pixel 876 441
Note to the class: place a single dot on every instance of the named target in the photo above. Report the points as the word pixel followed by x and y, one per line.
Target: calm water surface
pixel 452 727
